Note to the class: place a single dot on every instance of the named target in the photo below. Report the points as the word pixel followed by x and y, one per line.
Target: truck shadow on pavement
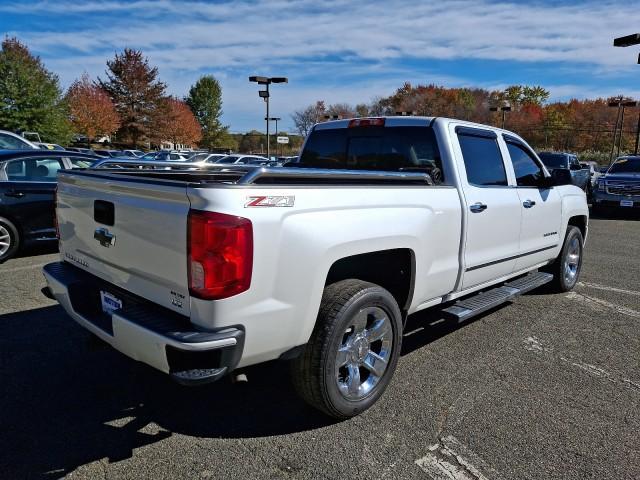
pixel 69 400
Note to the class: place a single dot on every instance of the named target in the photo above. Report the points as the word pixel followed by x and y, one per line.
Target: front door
pixel 493 209
pixel 541 208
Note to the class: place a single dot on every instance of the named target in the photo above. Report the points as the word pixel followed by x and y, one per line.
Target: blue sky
pixel 339 50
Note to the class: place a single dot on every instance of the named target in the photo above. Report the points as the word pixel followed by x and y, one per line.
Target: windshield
pixel 554 160
pixel 626 165
pixel 374 148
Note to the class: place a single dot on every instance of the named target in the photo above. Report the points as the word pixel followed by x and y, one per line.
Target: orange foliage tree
pixel 174 122
pixel 90 109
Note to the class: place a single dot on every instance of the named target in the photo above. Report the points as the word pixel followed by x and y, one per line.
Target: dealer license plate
pixel 110 303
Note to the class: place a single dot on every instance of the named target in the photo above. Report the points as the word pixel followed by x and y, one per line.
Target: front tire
pixel 9 239
pixel 566 268
pixel 353 350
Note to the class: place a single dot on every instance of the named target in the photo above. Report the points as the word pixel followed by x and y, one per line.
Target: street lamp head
pixel 259 80
pixel 627 41
pixel 263 93
pixel 279 80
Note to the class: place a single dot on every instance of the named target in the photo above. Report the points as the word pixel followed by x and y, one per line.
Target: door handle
pixel 478 207
pixel 528 203
pixel 13 193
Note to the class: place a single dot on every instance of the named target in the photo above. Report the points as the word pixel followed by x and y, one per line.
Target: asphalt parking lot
pixel 545 388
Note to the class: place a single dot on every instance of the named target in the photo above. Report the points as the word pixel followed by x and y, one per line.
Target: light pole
pixel 628 103
pixel 264 94
pixel 628 41
pixel 274 119
pixel 504 109
pixel 617 104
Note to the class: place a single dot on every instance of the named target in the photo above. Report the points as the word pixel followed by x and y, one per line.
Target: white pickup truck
pixel 199 272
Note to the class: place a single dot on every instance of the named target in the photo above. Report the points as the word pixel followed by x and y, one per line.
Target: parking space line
pixel 599 304
pixel 533 344
pixel 598 286
pixel 21 269
pixel 451 460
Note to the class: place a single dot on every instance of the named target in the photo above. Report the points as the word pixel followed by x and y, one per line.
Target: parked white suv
pixel 199 273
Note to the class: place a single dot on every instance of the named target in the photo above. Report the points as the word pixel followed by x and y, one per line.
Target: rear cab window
pixel 382 148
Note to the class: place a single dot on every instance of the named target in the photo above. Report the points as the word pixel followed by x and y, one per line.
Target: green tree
pixel 30 95
pixel 205 101
pixel 136 92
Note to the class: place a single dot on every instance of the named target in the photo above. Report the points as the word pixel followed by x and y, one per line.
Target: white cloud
pixel 336 49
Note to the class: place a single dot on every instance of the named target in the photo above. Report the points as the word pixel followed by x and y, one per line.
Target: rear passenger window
pixel 528 172
pixel 482 160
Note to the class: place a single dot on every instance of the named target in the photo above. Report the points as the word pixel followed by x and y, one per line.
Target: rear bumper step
pixel 145 331
pixel 488 299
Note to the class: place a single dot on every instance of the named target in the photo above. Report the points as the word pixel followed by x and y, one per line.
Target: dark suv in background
pixel 27 187
pixel 619 187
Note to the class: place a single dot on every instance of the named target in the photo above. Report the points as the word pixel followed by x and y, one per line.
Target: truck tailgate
pixel 132 233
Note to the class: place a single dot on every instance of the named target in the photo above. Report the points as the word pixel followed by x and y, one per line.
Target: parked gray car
pixel 580 177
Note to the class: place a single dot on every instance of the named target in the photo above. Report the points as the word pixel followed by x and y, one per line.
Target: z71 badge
pixel 270 201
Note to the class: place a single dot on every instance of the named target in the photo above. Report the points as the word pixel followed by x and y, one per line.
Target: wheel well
pixel 393 270
pixel 580 221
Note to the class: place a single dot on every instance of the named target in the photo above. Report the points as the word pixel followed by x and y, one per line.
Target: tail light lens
pixel 220 254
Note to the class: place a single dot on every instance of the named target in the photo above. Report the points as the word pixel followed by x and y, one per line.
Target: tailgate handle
pixel 105 238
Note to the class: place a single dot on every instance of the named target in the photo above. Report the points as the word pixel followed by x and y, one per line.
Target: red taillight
pixel 220 254
pixel 55 212
pixel 366 122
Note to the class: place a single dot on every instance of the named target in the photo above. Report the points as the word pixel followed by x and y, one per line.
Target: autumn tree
pixel 174 122
pixel 134 88
pixel 205 101
pixel 91 111
pixel 307 117
pixel 30 95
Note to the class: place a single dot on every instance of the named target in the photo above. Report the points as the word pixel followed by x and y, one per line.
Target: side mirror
pixel 561 176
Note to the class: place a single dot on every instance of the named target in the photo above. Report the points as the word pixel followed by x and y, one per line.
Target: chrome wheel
pixel 5 240
pixel 364 354
pixel 572 261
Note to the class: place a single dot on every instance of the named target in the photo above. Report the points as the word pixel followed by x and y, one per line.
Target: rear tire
pixel 9 239
pixel 566 268
pixel 353 350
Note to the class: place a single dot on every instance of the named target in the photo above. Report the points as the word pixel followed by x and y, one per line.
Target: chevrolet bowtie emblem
pixel 105 238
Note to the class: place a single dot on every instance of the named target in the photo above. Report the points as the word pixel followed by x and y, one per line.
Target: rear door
pixel 28 194
pixel 541 207
pixel 493 211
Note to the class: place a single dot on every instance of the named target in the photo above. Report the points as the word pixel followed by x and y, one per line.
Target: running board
pixel 488 299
